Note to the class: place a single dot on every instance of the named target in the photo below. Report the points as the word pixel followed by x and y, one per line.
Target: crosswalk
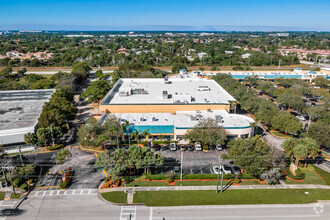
pixel 70 192
pixel 128 213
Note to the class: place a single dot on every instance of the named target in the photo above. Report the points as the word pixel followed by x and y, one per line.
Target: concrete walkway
pixel 174 188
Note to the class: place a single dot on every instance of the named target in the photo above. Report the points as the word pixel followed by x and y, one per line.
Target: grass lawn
pixel 146 183
pixel 233 197
pixel 252 182
pixel 324 174
pixel 310 177
pixel 200 183
pixel 115 197
pixel 16 196
pixel 2 195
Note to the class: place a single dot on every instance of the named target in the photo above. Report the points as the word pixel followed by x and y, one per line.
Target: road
pixel 93 207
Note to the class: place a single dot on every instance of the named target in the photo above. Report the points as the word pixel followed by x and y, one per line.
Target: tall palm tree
pixel 126 126
pixel 136 133
pixel 146 133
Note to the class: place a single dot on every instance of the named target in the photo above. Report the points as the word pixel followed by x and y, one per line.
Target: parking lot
pixel 194 162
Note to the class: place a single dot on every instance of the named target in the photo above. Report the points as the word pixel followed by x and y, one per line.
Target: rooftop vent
pixel 203 88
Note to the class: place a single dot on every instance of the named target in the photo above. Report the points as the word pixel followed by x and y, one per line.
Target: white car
pixel 198 146
pixel 226 169
pixel 218 147
pixel 217 170
pixel 172 147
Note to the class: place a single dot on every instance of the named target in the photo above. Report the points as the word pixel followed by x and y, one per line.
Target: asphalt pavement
pixel 92 207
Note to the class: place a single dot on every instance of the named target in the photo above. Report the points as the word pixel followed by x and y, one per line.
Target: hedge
pixel 296 177
pixel 198 176
pixel 64 185
pixel 56 147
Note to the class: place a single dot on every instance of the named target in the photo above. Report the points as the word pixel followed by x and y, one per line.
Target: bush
pixel 236 181
pixel 64 185
pixel 169 180
pixel 156 176
pixel 24 187
pixel 56 147
pixel 30 181
pixel 206 147
pixel 301 177
pixel 17 182
pixel 272 176
pixel 298 173
pixel 106 180
pixel 118 183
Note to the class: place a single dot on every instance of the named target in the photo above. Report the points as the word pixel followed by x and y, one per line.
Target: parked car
pixel 155 147
pixel 191 147
pixel 217 170
pixel 183 148
pixel 198 146
pixel 226 169
pixel 235 170
pixel 176 170
pixel 218 147
pixel 212 147
pixel 173 147
pixel 164 147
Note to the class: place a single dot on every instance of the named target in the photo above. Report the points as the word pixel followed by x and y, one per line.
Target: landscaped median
pixel 229 197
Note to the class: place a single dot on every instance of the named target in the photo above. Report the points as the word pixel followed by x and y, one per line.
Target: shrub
pixel 17 182
pixel 236 181
pixel 272 176
pixel 56 147
pixel 64 185
pixel 169 180
pixel 30 181
pixel 298 173
pixel 118 183
pixel 205 147
pixel 295 177
pixel 24 187
pixel 106 180
pixel 156 176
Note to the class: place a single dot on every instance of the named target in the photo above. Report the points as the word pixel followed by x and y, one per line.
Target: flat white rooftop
pixel 166 92
pixel 186 119
pixel 19 113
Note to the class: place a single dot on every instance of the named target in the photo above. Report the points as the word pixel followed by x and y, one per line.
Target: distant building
pixel 20 110
pixel 246 55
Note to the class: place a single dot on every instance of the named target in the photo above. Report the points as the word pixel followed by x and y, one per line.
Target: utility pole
pixel 20 153
pixel 279 64
pixel 51 131
pixel 218 175
pixel 4 175
pixel 181 164
pixel 12 180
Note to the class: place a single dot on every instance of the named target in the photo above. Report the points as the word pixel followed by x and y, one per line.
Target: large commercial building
pixel 169 107
pixel 19 113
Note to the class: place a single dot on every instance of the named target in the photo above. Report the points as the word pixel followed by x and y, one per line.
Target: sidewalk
pixel 174 188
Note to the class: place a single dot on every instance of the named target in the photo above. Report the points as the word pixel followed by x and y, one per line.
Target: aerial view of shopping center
pixel 164 110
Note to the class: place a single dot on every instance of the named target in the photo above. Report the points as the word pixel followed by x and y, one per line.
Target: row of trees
pixel 123 163
pixel 264 110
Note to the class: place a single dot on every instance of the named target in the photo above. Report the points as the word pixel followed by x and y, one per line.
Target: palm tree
pixel 126 126
pixel 146 133
pixel 136 133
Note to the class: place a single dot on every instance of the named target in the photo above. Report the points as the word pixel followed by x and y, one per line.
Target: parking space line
pixel 58 192
pixel 81 192
pixel 65 192
pixel 73 192
pixel 51 192
pixel 44 193
pixel 89 191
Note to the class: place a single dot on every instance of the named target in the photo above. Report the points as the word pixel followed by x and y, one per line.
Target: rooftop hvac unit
pixel 203 88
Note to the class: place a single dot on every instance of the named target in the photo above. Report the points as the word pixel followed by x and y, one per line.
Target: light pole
pixel 218 175
pixel 181 164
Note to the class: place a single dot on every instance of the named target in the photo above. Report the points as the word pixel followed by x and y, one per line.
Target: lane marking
pixel 150 214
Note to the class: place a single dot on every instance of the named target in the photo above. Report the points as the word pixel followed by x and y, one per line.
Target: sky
pixel 166 15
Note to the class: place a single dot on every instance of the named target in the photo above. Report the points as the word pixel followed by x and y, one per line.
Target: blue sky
pixel 165 15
